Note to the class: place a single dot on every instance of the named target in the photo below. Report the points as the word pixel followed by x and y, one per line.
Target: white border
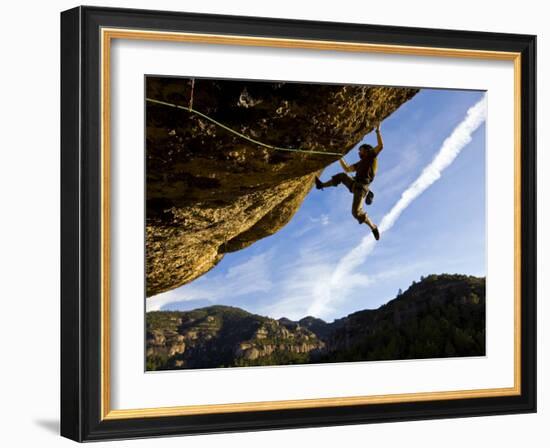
pixel 131 387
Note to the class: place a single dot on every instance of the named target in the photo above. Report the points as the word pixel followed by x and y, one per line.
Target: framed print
pixel 277 224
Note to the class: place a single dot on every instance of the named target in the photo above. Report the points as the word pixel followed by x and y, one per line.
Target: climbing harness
pixel 233 131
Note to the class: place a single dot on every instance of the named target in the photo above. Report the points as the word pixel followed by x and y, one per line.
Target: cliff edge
pixel 210 192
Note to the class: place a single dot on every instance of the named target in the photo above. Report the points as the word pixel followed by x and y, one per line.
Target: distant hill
pixel 440 316
pixel 222 336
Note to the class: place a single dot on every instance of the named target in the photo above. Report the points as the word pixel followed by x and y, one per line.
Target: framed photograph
pixel 273 223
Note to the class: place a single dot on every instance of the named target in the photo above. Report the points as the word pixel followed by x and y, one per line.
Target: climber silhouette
pixel 365 170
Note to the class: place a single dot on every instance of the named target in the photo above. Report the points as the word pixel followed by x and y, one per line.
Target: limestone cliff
pixel 219 336
pixel 210 192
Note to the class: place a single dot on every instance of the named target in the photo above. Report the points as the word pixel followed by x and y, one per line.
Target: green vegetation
pixel 439 316
pixel 279 358
pixel 156 362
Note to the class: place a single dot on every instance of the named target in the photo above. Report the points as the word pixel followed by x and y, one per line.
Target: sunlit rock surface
pixel 210 192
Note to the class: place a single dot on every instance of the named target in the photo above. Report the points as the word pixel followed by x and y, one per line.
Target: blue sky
pixel 292 273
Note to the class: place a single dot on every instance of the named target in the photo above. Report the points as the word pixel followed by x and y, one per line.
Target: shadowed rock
pixel 210 192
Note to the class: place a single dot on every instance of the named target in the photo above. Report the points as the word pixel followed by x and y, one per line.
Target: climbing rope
pixel 233 131
pixel 192 94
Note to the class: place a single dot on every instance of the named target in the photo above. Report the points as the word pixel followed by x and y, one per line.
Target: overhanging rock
pixel 210 192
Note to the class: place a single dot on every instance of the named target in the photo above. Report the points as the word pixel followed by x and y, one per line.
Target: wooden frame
pixel 86 35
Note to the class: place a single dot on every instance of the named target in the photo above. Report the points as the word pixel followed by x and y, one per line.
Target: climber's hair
pixel 366 147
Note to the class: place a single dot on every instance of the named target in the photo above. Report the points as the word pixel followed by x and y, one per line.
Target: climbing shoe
pixel 376 233
pixel 369 198
pixel 318 183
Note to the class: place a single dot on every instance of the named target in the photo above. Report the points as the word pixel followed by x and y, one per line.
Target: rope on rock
pixel 233 131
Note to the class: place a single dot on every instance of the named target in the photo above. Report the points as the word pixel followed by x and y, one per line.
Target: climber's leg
pixel 357 205
pixel 337 179
pixel 369 198
pixel 359 193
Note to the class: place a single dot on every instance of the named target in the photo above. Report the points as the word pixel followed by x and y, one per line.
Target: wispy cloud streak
pixel 250 277
pixel 450 149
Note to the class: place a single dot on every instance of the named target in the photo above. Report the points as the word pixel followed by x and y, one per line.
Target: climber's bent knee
pixel 360 217
pixel 339 178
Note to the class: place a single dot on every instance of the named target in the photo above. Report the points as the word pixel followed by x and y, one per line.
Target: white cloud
pixel 312 223
pixel 253 275
pixel 324 219
pixel 323 275
pixel 307 283
pixel 335 287
pixel 156 302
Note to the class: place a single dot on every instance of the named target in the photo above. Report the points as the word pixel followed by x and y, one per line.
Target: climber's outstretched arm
pixel 345 166
pixel 380 144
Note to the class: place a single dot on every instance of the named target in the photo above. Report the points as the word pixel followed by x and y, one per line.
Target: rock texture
pixel 221 336
pixel 210 192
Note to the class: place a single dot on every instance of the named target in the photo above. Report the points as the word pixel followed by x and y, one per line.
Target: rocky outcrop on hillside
pixel 210 192
pixel 440 316
pixel 220 336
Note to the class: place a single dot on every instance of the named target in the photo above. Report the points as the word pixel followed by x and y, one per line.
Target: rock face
pixel 220 336
pixel 210 192
pixel 440 316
